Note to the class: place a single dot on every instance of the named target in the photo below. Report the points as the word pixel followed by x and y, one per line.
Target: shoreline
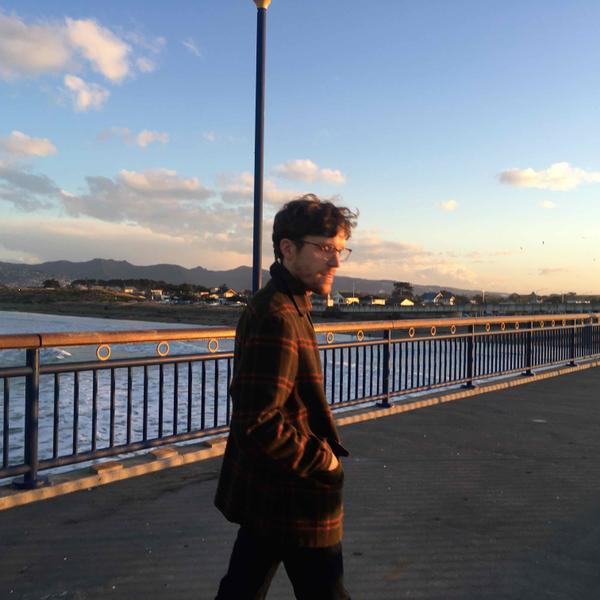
pixel 153 312
pixel 194 314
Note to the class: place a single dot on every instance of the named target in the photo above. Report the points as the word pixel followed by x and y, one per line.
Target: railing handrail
pixel 136 403
pixel 81 338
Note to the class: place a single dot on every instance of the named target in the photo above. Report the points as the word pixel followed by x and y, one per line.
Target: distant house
pixel 229 293
pixel 406 302
pixel 157 295
pixel 438 299
pixel 372 301
pixel 340 299
pixel 431 298
pixel 217 293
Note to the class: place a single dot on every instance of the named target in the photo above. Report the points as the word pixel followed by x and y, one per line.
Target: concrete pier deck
pixel 490 497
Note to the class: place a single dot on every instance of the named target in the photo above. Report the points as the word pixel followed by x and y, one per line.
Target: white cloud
pixel 143 139
pixel 27 191
pixel 547 204
pixel 20 144
pixel 375 256
pixel 240 189
pixel 165 202
pixel 85 95
pixel 146 137
pixel 160 182
pixel 449 206
pixel 308 171
pixel 209 136
pixel 152 45
pixel 190 44
pixel 145 65
pixel 73 46
pixel 30 50
pixel 105 51
pixel 216 225
pixel 559 177
pixel 85 238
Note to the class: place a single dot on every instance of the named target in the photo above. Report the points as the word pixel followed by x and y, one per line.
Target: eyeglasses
pixel 329 250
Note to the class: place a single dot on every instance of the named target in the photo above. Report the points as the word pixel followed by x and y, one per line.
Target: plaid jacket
pixel 274 477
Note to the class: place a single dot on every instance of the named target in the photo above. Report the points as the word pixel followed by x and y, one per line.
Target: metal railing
pixel 62 413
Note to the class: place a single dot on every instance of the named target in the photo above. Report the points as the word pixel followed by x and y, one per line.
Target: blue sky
pixel 466 134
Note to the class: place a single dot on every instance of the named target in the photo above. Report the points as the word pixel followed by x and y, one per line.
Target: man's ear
pixel 288 248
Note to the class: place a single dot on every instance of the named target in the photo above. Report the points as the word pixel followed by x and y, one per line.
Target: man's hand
pixel 333 465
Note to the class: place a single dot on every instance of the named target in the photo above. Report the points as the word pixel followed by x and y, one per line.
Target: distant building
pixel 406 302
pixel 372 301
pixel 157 295
pixel 438 299
pixel 218 293
pixel 339 299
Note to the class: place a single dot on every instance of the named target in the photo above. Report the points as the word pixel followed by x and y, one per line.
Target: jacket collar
pixel 285 282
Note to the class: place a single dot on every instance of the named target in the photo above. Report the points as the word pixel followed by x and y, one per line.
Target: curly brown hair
pixel 309 215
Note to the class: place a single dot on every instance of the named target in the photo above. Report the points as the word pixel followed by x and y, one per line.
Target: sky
pixel 465 133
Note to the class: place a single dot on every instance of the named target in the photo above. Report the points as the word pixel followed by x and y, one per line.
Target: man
pixel 281 479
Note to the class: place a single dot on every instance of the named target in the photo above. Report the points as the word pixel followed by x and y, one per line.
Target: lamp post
pixel 259 138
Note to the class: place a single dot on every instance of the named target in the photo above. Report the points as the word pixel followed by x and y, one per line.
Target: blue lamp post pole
pixel 259 138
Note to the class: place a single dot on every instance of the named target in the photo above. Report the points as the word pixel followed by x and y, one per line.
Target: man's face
pixel 314 267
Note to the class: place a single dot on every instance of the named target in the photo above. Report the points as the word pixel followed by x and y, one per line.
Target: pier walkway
pixel 490 497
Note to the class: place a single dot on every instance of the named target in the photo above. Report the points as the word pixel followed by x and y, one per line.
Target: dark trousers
pixel 315 573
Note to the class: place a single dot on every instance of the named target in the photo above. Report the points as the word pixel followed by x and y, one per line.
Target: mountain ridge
pixel 239 278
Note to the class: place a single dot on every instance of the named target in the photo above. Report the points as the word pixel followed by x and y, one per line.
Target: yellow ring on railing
pixel 433 330
pixel 329 337
pixel 487 327
pixel 502 326
pixel 411 332
pixel 360 335
pixel 517 325
pixel 100 355
pixel 542 324
pixel 213 345
pixel 564 322
pixel 163 348
pixel 553 323
pixel 453 329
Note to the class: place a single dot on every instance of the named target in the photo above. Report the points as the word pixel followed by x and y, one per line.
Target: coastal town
pixel 401 299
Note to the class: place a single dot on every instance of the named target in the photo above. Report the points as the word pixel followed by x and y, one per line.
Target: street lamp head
pixel 262 3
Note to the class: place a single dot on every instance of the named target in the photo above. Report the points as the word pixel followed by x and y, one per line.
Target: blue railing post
pixel 529 350
pixel 470 359
pixel 572 362
pixel 31 479
pixel 387 371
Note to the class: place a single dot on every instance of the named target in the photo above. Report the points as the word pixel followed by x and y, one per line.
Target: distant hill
pixel 14 274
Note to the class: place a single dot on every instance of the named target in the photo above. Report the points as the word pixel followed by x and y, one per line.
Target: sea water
pixel 23 323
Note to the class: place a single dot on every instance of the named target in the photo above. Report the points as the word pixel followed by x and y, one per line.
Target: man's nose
pixel 334 259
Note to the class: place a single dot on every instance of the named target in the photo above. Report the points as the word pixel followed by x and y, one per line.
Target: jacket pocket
pixel 332 479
